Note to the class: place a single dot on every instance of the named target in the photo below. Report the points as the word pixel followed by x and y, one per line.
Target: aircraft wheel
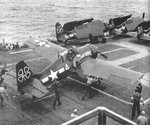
pixel 114 36
pixel 104 40
pixel 59 41
pixel 92 41
pixel 138 37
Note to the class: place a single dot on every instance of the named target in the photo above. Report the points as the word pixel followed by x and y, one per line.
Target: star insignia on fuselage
pixel 53 75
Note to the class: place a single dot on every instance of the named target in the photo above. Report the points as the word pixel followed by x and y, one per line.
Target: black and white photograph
pixel 74 62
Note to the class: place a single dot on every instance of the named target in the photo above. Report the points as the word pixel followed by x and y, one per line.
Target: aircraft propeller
pixel 143 15
pixel 103 55
pixel 95 54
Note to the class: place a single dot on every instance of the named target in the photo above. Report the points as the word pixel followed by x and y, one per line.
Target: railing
pixel 100 115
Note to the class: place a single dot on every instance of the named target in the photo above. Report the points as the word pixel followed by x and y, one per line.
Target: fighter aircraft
pixel 73 62
pixel 82 31
pixel 142 30
pixel 114 27
pixel 135 27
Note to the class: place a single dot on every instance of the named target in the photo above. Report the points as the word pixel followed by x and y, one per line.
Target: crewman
pixel 74 114
pixel 142 120
pixel 98 81
pixel 88 89
pixel 111 26
pixel 111 23
pixel 76 61
pixel 2 93
pixel 91 38
pixel 3 70
pixel 139 31
pixel 136 99
pixel 1 80
pixel 139 87
pixel 56 86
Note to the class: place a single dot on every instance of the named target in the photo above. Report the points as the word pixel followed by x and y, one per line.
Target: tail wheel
pixel 92 41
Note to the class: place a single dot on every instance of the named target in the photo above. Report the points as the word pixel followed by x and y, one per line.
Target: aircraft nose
pixel 94 51
pixel 94 48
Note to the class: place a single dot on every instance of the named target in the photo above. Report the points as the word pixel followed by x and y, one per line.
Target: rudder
pixel 59 29
pixel 23 74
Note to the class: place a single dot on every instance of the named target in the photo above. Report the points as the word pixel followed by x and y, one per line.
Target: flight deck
pixel 19 110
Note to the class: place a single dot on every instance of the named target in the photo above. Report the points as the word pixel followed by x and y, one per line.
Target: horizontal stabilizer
pixel 44 97
pixel 10 80
pixel 38 89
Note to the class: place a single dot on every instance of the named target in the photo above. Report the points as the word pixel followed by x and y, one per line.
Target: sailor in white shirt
pixel 74 114
pixel 2 94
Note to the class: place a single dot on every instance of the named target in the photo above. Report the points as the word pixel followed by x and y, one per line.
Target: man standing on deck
pixel 74 114
pixel 142 120
pixel 139 87
pixel 56 86
pixel 88 89
pixel 4 70
pixel 2 93
pixel 136 99
pixel 1 80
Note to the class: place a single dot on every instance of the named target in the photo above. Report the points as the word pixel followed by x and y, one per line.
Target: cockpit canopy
pixel 69 54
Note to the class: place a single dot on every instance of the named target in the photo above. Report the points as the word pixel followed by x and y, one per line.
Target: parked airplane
pixel 142 31
pixel 87 30
pixel 73 62
pixel 136 27
pixel 115 24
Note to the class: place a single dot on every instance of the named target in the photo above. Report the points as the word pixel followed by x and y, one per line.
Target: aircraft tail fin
pixel 58 29
pixel 23 75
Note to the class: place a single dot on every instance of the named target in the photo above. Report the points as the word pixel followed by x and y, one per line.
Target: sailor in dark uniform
pixel 56 86
pixel 88 90
pixel 139 87
pixel 136 99
pixel 4 70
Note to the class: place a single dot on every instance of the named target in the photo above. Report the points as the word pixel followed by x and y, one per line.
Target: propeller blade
pixel 143 15
pixel 104 56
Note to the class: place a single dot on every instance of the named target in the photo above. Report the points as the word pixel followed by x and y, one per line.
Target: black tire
pixel 92 41
pixel 138 37
pixel 104 40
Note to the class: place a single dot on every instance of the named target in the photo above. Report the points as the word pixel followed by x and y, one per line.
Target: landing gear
pixel 104 40
pixel 98 39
